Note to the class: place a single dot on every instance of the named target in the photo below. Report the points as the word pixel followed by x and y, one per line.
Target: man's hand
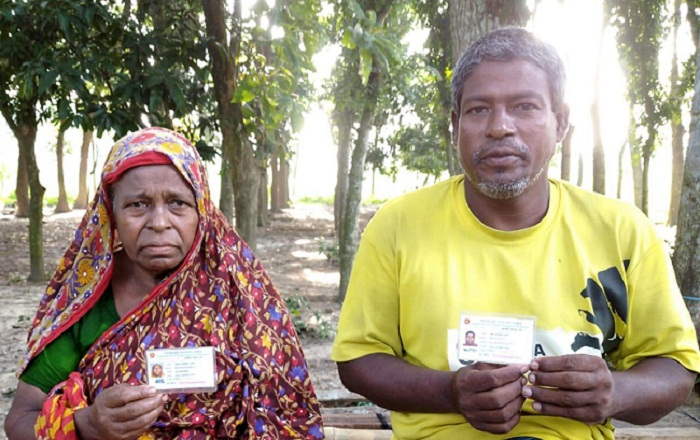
pixel 490 396
pixel 576 386
pixel 120 412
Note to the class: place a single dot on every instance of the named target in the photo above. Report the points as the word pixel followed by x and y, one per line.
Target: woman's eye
pixel 138 204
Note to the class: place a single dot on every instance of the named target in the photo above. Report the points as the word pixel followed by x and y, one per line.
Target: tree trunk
pixel 646 159
pixel 566 154
pixel 677 128
pixel 686 257
pixel 82 200
pixel 620 160
pixel 350 233
pixel 579 177
pixel 239 167
pixel 472 19
pixel 342 177
pixel 22 187
pixel 636 161
pixel 262 198
pixel 275 190
pixel 284 184
pixel 62 204
pixel 25 132
pixel 598 150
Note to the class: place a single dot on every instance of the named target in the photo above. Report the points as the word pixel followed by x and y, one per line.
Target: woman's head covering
pixel 219 296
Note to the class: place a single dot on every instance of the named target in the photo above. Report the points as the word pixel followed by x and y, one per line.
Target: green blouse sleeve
pixel 62 356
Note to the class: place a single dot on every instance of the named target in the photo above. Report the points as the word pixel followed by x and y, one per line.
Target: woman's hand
pixel 120 412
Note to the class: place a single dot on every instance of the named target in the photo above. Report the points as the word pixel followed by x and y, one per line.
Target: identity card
pixel 182 370
pixel 496 339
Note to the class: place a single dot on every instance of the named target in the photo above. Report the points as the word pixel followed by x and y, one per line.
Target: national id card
pixel 495 339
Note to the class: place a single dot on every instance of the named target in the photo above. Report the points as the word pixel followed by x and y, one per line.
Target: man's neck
pixel 521 212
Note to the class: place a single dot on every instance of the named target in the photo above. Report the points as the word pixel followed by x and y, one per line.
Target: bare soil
pixel 289 248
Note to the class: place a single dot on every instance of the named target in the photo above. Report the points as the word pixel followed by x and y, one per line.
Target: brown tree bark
pixel 686 256
pixel 677 128
pixel 22 186
pixel 262 198
pixel 62 203
pixel 239 175
pixel 344 141
pixel 82 200
pixel 472 19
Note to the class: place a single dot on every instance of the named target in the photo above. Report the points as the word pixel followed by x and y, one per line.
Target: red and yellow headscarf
pixel 220 296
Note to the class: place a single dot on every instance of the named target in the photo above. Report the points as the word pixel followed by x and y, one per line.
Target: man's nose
pixel 500 124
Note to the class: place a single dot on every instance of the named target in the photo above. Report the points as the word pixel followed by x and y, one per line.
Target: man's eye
pixel 476 110
pixel 138 204
pixel 527 106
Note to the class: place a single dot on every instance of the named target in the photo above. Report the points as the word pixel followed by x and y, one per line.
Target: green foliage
pixel 329 249
pixel 317 199
pixel 641 27
pixel 307 321
pixel 273 87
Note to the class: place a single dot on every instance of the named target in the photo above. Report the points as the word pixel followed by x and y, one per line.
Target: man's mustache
pixel 501 147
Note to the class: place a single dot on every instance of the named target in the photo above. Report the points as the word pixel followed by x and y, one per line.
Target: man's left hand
pixel 576 386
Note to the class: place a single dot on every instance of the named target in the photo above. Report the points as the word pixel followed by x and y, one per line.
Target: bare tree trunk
pixel 284 184
pixel 620 161
pixel 472 19
pixel 636 161
pixel 579 178
pixel 275 195
pixel 22 187
pixel 677 128
pixel 350 233
pixel 566 154
pixel 239 167
pixel 62 204
pixel 598 149
pixel 686 256
pixel 262 198
pixel 342 179
pixel 82 200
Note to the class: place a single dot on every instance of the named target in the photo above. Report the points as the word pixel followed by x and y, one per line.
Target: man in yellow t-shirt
pixel 574 280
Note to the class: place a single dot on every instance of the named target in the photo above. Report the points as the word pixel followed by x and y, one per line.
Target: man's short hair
pixel 506 44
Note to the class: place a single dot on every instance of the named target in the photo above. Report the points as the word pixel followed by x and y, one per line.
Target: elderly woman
pixel 155 265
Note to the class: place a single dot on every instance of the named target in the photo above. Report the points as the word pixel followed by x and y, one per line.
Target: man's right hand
pixel 120 412
pixel 490 396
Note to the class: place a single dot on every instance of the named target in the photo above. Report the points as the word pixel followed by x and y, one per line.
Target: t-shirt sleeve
pixel 53 365
pixel 369 319
pixel 659 324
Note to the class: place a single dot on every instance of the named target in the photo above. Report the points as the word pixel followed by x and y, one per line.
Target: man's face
pixel 507 131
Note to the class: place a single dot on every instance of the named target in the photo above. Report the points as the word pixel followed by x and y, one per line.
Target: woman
pixel 155 265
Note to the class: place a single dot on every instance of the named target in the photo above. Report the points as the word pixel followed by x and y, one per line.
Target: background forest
pixel 358 87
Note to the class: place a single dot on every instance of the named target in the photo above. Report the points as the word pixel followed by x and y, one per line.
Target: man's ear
pixel 455 126
pixel 562 116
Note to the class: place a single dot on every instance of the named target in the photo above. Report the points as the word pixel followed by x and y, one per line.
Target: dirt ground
pixel 288 248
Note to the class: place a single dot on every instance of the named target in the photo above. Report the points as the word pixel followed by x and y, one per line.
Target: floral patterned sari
pixel 219 296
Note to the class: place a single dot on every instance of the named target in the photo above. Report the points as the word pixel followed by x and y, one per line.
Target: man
pixel 583 277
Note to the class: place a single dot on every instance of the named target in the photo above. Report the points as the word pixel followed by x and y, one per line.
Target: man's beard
pixel 505 189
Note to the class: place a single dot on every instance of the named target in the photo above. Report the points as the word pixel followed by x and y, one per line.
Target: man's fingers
pixel 485 378
pixel 567 380
pixel 571 362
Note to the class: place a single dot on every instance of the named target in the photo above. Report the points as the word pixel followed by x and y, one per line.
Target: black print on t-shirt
pixel 608 299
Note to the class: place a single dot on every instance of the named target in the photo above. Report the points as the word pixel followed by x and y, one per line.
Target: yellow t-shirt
pixel 593 272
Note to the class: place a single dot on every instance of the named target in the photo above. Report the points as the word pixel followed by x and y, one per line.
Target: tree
pixel 598 149
pixel 372 31
pixel 686 256
pixel 81 200
pixel 640 31
pixel 62 203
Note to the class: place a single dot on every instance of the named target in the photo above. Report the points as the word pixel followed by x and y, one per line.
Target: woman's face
pixel 156 218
